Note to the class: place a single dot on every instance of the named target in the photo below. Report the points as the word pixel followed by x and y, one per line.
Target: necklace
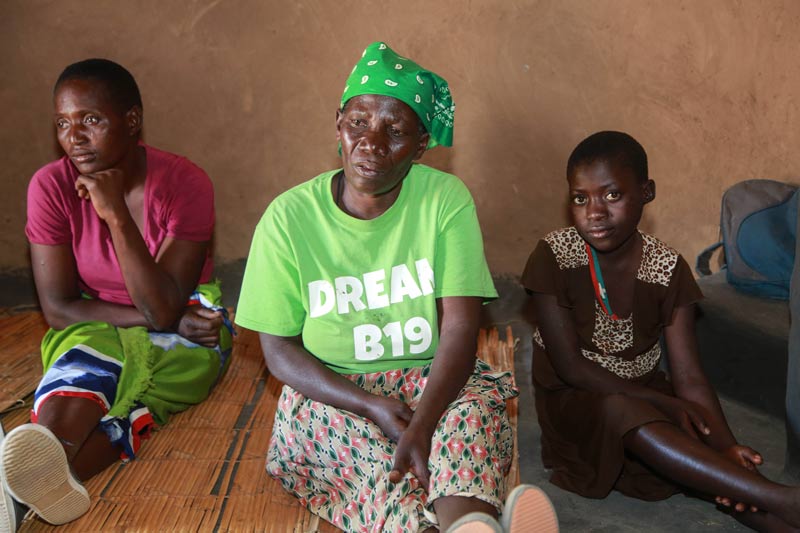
pixel 599 286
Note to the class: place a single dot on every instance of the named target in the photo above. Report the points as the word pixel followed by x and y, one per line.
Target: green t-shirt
pixel 363 292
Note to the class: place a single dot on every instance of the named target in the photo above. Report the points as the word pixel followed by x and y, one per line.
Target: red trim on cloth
pixel 70 394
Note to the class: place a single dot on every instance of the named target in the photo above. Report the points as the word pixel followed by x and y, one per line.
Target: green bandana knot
pixel 381 71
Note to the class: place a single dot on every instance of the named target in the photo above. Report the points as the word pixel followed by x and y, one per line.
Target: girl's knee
pixel 613 405
pixel 619 410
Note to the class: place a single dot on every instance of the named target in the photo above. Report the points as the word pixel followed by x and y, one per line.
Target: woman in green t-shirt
pixel 365 284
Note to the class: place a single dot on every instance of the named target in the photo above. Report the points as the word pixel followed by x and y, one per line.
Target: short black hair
pixel 119 83
pixel 613 147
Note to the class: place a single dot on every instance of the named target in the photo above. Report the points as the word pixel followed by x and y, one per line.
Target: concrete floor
pixel 616 513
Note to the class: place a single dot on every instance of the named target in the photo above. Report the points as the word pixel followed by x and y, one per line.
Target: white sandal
pixel 36 472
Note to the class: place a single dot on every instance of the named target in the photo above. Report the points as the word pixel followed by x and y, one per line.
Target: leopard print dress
pixel 581 430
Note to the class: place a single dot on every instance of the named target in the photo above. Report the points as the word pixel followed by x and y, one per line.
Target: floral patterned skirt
pixel 337 463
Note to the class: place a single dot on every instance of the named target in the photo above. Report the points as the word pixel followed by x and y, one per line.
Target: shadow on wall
pixel 230 274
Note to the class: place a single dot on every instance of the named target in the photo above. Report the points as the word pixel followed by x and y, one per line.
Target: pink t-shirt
pixel 178 202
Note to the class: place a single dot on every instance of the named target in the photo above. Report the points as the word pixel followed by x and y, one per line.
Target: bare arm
pixel 560 336
pixel 292 364
pixel 158 286
pixel 452 365
pixel 56 278
pixel 688 378
pixel 690 383
pixel 454 360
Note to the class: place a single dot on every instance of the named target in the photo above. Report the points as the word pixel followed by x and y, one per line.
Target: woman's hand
pixel 687 415
pixel 106 191
pixel 200 325
pixel 391 415
pixel 748 458
pixel 411 455
pixel 452 365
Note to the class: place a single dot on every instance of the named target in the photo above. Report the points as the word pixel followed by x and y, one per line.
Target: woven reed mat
pixel 20 362
pixel 204 471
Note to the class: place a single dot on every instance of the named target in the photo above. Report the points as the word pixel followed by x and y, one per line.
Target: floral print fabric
pixel 337 463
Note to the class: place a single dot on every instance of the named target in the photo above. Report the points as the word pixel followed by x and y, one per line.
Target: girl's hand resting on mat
pixel 200 325
pixel 391 415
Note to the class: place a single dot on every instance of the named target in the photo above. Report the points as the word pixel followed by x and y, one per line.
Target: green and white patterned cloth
pixel 381 71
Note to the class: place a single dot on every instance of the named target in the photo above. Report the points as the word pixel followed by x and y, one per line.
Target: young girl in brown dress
pixel 604 293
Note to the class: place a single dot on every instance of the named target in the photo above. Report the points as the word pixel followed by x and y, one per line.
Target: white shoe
pixel 36 472
pixel 529 510
pixel 11 512
pixel 475 523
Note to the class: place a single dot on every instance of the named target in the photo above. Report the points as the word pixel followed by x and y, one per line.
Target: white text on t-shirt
pixel 369 291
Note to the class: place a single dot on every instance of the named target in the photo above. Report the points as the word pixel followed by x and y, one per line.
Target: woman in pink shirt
pixel 120 238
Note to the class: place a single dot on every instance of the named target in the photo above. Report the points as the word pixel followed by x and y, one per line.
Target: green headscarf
pixel 381 71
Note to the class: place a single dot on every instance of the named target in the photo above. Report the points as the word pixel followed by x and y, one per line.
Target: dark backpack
pixel 758 222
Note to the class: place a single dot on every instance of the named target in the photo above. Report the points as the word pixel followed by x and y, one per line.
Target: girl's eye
pixel 579 200
pixel 91 119
pixel 394 132
pixel 61 123
pixel 613 196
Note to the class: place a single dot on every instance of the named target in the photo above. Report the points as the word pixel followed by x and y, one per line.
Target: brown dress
pixel 581 430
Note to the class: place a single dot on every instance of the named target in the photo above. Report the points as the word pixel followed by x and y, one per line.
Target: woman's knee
pixel 449 508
